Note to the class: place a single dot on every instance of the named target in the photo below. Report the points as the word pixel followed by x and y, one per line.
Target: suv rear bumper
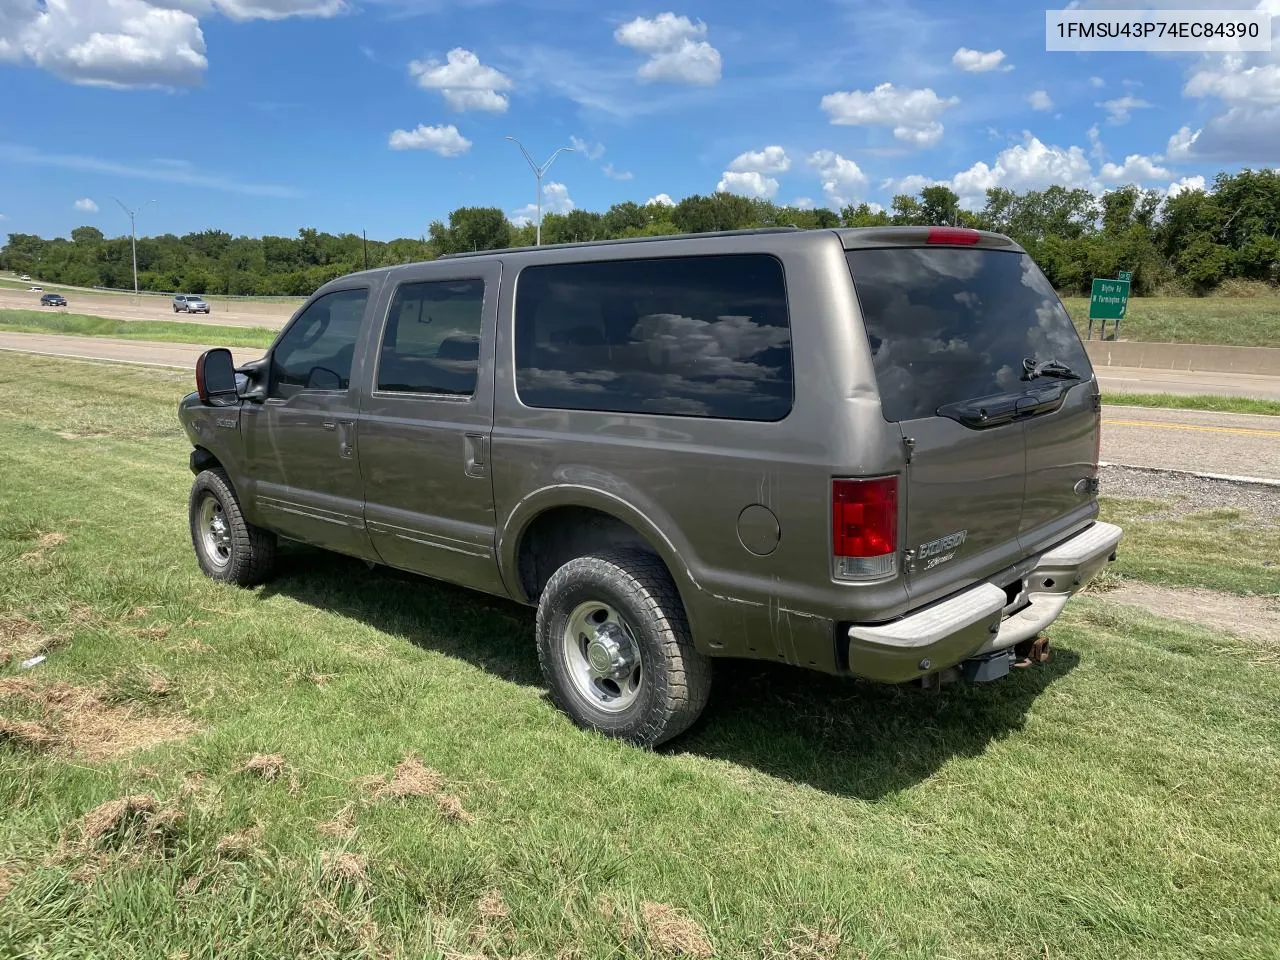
pixel 981 619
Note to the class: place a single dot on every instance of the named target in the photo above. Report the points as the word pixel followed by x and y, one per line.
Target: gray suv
pixel 866 452
pixel 190 303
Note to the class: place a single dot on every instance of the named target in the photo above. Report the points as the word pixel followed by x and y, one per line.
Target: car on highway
pixel 53 300
pixel 867 452
pixel 190 303
pixel 25 278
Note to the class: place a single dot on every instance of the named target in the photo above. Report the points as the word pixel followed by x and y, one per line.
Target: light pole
pixel 133 234
pixel 539 172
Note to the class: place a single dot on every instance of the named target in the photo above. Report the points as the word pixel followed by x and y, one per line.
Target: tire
pixel 634 590
pixel 247 554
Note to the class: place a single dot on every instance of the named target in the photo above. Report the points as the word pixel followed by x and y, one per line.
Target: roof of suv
pixel 850 238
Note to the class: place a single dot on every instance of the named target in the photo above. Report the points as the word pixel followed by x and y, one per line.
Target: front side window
pixel 315 352
pixel 691 336
pixel 432 340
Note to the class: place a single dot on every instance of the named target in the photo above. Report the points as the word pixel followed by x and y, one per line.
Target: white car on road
pixel 189 303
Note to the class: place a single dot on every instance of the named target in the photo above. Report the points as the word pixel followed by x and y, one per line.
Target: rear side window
pixel 315 352
pixel 432 338
pixel 947 324
pixel 693 336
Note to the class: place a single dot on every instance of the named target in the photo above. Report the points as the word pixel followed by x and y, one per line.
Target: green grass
pixel 1175 401
pixel 1245 322
pixel 1173 544
pixel 165 331
pixel 1117 802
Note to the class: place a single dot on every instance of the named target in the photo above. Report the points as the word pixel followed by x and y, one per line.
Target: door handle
pixel 476 447
pixel 346 438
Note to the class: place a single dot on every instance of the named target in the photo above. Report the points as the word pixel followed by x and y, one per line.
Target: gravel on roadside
pixel 1192 493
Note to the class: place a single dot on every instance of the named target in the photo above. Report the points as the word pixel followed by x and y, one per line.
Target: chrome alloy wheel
pixel 602 657
pixel 215 532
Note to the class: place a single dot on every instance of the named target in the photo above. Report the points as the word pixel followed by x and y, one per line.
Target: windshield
pixel 948 324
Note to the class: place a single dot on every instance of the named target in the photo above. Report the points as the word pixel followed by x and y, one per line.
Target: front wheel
pixel 615 648
pixel 228 547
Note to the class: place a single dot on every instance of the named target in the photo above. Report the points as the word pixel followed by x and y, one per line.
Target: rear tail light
pixel 953 235
pixel 864 528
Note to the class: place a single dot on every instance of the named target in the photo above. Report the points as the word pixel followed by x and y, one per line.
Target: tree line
pixel 1188 243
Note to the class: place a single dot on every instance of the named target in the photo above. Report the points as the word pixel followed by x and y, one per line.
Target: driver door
pixel 301 441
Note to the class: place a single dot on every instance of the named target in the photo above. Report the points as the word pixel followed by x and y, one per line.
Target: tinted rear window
pixel 948 324
pixel 693 336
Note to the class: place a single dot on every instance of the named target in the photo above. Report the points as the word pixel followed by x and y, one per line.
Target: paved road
pixel 1199 442
pixel 123 307
pixel 1225 444
pixel 1141 380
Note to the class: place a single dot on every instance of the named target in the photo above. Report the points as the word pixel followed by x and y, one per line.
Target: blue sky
pixel 263 116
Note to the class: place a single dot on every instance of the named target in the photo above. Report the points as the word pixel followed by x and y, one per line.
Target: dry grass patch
pixel 21 638
pixel 132 820
pixel 344 867
pixel 412 779
pixel 495 920
pixel 804 943
pixel 44 544
pixel 240 843
pixel 28 734
pixel 672 934
pixel 8 880
pixel 268 766
pixel 343 825
pixel 85 725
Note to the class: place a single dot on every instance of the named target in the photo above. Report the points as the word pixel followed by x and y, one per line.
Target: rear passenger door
pixel 426 420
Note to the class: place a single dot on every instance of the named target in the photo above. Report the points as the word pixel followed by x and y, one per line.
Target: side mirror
pixel 216 378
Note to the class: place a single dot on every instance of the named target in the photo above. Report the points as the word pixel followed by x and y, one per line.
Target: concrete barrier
pixel 1195 357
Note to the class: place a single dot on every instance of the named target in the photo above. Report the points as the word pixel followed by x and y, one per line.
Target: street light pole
pixel 133 235
pixel 539 172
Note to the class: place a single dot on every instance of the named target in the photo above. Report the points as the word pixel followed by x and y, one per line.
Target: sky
pixel 265 116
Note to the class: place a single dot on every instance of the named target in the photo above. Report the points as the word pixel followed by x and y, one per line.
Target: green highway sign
pixel 1109 299
pixel 1125 274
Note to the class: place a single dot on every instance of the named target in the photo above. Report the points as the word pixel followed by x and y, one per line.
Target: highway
pixel 1190 440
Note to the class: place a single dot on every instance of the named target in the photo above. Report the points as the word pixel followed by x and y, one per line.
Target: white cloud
pixel 1185 184
pixel 1029 165
pixel 677 49
pixel 260 9
pixel 1181 144
pixel 1118 109
pixel 1232 82
pixel 4 216
pixel 1096 149
pixel 1097 83
pixel 750 183
pixel 108 43
pixel 615 174
pixel 662 200
pixel 913 114
pixel 975 61
pixel 555 199
pixel 771 159
pixel 1135 169
pixel 86 205
pixel 911 184
pixel 467 84
pixel 129 43
pixel 802 203
pixel 840 176
pixel 592 151
pixel 444 140
pixel 188 177
pixel 1039 100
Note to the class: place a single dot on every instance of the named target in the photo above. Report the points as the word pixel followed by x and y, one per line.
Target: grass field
pixel 165 331
pixel 10 282
pixel 203 771
pixel 1178 401
pixel 1244 322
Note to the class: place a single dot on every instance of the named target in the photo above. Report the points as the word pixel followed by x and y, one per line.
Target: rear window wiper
pixel 1033 368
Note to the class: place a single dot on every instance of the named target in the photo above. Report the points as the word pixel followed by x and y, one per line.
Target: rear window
pixel 689 336
pixel 947 324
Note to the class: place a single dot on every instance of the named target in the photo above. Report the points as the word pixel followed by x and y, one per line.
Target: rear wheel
pixel 228 547
pixel 615 648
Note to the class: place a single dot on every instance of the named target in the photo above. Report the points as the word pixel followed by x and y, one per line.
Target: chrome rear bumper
pixel 976 621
